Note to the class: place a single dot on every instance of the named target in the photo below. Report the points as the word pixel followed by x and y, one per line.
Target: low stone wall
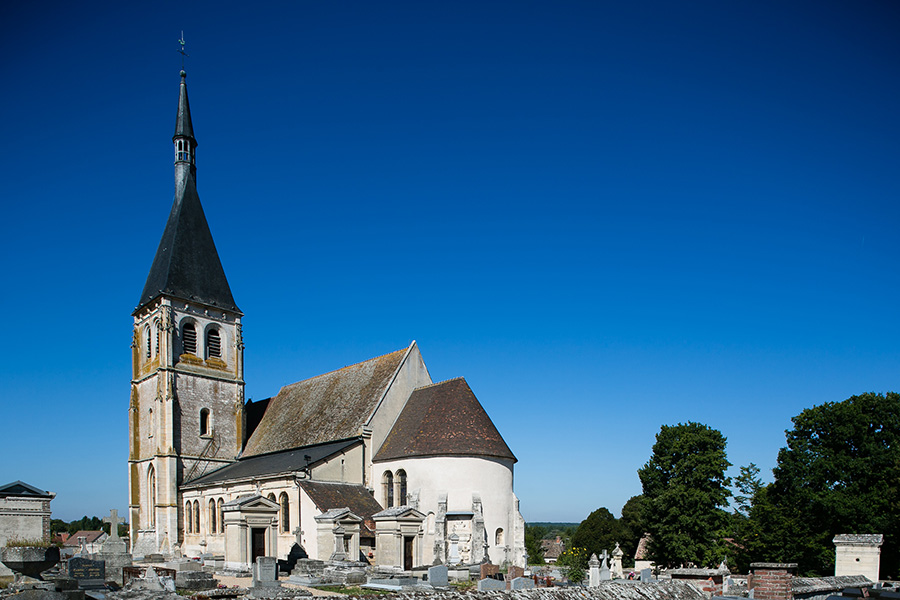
pixel 612 590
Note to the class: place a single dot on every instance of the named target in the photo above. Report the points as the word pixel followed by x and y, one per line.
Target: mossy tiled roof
pixel 444 419
pixel 333 406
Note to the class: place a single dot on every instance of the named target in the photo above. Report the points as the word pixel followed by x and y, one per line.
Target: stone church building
pixel 373 461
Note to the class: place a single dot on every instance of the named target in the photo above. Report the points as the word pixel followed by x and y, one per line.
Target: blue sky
pixel 606 216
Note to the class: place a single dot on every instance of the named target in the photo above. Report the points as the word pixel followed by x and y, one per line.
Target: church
pixel 371 462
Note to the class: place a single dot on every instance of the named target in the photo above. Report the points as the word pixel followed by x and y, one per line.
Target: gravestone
pixel 90 574
pixel 604 568
pixel 615 568
pixel 437 576
pixel 265 572
pixel 646 576
pixel 486 585
pixel 454 550
pixel 594 571
pixel 489 571
pixel 114 551
pixel 522 583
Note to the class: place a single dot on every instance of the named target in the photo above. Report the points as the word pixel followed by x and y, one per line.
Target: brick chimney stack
pixel 771 581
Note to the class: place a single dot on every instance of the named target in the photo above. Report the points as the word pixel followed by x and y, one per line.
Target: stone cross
pixel 113 519
pixel 298 533
pixel 83 540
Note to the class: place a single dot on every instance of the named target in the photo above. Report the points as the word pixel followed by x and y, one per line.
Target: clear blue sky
pixel 607 216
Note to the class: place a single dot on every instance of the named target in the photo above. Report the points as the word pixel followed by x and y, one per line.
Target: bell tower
pixel 186 415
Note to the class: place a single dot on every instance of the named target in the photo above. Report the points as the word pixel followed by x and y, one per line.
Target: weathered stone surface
pixel 485 585
pixel 438 576
pixel 611 590
pixel 804 586
pixel 521 583
pixel 195 580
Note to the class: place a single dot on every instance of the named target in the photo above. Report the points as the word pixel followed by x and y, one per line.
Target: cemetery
pixel 111 572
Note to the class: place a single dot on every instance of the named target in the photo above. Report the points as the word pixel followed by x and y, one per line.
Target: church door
pixel 258 543
pixel 408 553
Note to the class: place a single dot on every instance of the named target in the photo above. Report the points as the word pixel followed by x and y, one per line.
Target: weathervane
pixel 181 50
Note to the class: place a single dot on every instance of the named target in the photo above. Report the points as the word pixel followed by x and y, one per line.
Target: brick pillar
pixel 771 581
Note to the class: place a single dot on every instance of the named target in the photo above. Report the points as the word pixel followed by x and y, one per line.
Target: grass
pixel 15 542
pixel 353 591
pixel 6 580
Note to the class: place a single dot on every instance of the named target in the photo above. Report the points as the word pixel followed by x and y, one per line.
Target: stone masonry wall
pixel 608 590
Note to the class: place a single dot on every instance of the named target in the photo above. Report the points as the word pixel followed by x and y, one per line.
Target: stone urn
pixel 29 560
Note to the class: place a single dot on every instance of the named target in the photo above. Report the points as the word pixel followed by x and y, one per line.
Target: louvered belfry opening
pixel 213 343
pixel 189 338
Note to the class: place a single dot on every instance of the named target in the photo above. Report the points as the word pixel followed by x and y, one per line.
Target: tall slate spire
pixel 187 265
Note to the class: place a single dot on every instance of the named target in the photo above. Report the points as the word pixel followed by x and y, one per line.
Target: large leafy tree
pixel 840 473
pixel 599 532
pixel 632 524
pixel 685 492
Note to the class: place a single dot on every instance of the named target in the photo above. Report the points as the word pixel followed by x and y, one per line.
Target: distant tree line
pixel 85 523
pixel 838 473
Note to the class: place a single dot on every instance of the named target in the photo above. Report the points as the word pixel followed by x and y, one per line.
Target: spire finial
pixel 182 52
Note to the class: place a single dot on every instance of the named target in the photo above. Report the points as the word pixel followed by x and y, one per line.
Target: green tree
pixel 838 474
pixel 632 527
pixel 685 492
pixel 600 531
pixel 533 536
pixel 749 490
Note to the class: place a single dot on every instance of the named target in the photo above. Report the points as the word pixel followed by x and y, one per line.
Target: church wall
pixel 301 509
pixel 346 467
pixel 459 477
pixel 413 374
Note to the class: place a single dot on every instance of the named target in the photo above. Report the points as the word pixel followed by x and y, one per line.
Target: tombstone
pixel 488 571
pixel 454 549
pixel 114 544
pixel 646 576
pixel 90 574
pixel 265 573
pixel 114 551
pixel 616 567
pixel 594 571
pixel 522 583
pixel 486 585
pixel 339 553
pixel 437 576
pixel 604 568
pixel 513 571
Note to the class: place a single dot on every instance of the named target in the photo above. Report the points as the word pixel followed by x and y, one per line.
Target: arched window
pixel 196 517
pixel 204 421
pixel 189 338
pixel 271 497
pixel 212 516
pixel 149 347
pixel 188 519
pixel 401 487
pixel 151 496
pixel 220 504
pixel 498 537
pixel 387 482
pixel 213 344
pixel 156 329
pixel 285 513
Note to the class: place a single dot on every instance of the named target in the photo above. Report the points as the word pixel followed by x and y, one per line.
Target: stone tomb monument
pixel 90 574
pixel 114 551
pixel 858 554
pixel 438 576
pixel 265 572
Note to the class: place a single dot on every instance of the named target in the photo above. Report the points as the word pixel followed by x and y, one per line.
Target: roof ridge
pixel 374 358
pixel 442 382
